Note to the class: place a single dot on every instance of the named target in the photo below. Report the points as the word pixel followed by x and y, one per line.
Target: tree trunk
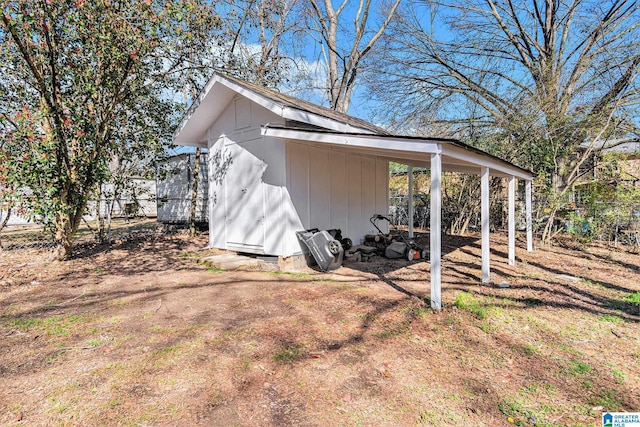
pixel 64 234
pixel 99 218
pixel 194 193
pixel 5 220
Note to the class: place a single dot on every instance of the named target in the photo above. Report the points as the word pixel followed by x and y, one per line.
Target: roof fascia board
pixel 400 145
pixel 285 112
pixel 487 161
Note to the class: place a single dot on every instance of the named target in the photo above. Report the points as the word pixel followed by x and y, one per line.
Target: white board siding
pixel 174 191
pixel 354 196
pixel 338 202
pixel 333 189
pixel 382 194
pixel 302 186
pixel 298 181
pixel 319 191
pixel 369 191
pixel 256 220
pixel 217 205
pixel 274 225
pixel 242 113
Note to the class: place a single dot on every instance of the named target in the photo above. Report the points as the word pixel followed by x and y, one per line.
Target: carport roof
pixel 415 151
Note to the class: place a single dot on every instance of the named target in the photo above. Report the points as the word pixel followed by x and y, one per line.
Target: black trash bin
pixel 326 251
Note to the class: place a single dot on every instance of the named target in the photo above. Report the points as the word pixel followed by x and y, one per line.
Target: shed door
pixel 245 201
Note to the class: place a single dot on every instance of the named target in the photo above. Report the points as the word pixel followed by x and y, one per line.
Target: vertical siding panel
pixel 368 197
pixel 299 181
pixel 354 194
pixel 319 189
pixel 382 190
pixel 338 202
pixel 274 224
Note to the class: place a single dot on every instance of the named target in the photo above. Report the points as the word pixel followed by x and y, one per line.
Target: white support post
pixel 410 200
pixel 434 231
pixel 512 220
pixel 485 217
pixel 528 216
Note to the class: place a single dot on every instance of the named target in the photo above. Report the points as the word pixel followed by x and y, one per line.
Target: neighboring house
pixel 622 155
pixel 15 218
pixel 175 179
pixel 136 199
pixel 627 150
pixel 278 165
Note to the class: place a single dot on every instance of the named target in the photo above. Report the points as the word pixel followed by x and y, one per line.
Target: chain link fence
pixel 399 210
pixel 614 222
pixel 35 238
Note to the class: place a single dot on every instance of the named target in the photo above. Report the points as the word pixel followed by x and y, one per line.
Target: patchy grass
pixel 578 368
pixel 634 300
pixel 292 274
pixel 468 302
pixel 157 339
pixel 60 326
pixel 610 318
pixel 290 353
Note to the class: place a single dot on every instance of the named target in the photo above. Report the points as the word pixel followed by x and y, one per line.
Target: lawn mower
pixel 392 245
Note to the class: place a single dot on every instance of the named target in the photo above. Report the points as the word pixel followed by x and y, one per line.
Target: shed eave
pixel 456 157
pixel 210 103
pixel 497 166
pixel 359 141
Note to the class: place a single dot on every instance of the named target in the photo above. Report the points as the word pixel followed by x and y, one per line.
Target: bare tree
pixel 256 31
pixel 546 80
pixel 344 61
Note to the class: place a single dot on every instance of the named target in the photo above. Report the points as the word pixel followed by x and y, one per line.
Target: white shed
pixel 278 165
pixel 175 179
pixel 136 197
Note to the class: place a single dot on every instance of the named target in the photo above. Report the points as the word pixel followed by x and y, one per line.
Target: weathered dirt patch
pixel 142 335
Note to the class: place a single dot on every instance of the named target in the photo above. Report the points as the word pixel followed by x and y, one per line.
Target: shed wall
pixel 262 189
pixel 174 191
pixel 247 183
pixel 335 189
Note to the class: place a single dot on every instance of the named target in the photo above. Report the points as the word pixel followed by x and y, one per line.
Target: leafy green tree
pixel 82 82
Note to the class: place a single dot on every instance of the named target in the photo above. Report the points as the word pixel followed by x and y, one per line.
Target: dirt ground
pixel 143 335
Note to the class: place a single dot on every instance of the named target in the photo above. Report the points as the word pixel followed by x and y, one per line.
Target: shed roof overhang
pixel 219 92
pixel 414 151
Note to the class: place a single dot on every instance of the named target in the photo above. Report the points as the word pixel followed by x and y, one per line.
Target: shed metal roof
pixel 332 127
